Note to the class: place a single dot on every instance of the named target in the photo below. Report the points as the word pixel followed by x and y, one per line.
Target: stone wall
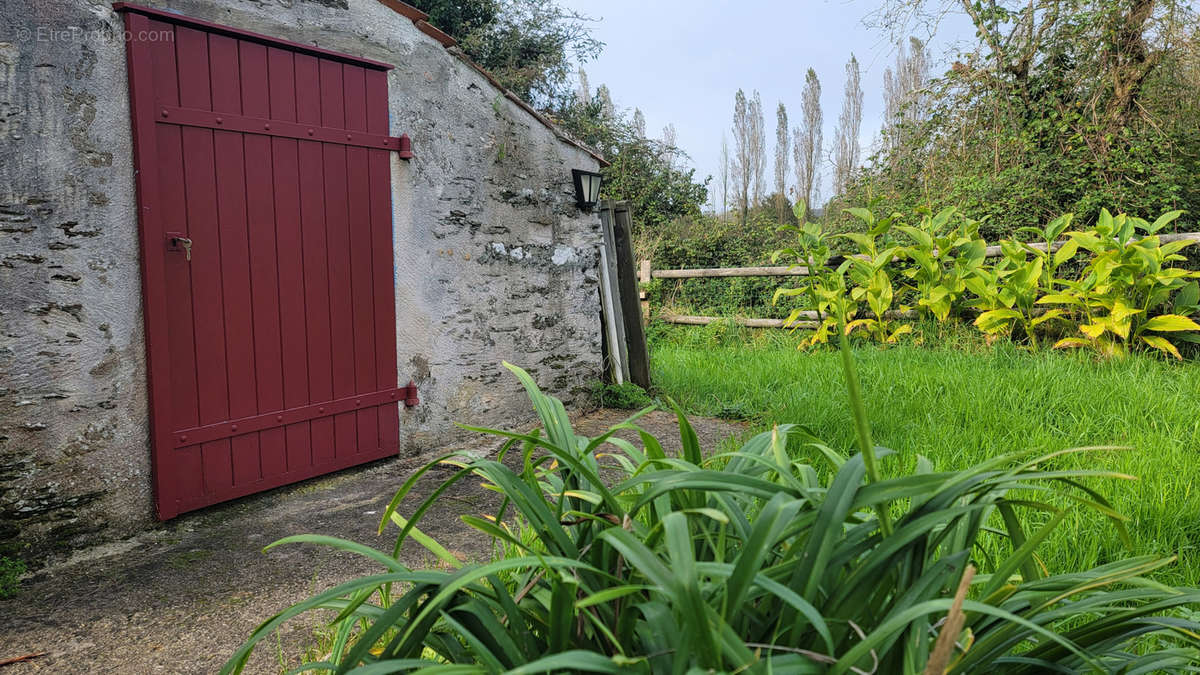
pixel 493 260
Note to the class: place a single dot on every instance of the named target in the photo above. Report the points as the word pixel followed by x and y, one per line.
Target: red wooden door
pixel 271 339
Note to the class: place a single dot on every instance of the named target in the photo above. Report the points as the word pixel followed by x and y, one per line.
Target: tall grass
pixel 958 403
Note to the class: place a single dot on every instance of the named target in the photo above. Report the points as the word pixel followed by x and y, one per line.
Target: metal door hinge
pixel 410 394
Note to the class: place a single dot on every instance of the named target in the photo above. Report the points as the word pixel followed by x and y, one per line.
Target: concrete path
pixel 180 599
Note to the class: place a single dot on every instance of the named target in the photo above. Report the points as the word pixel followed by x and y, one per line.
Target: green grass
pixel 958 402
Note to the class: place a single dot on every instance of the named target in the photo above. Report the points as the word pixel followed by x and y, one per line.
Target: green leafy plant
pixel 1127 294
pixel 822 289
pixel 748 561
pixel 871 271
pixel 944 256
pixel 1007 293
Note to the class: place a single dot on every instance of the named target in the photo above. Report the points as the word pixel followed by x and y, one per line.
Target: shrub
pixel 749 561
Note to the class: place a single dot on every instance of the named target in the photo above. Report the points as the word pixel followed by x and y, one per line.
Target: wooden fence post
pixel 644 278
pixel 627 281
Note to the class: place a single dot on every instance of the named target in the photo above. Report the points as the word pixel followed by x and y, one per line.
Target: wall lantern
pixel 587 188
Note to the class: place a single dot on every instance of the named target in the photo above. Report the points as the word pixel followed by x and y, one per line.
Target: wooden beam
pixel 793 271
pixel 800 270
pixel 749 323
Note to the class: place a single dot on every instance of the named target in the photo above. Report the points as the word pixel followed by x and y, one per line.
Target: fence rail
pixel 806 319
pixel 794 271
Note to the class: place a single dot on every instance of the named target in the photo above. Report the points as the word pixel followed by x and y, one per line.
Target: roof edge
pixel 419 19
pixel 405 9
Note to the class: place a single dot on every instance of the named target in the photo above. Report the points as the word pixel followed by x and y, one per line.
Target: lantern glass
pixel 587 187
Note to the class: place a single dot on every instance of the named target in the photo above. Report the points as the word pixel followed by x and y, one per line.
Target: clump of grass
pixel 11 570
pixel 625 396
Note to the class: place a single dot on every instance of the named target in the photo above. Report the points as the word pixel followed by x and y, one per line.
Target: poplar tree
pixel 807 150
pixel 724 181
pixel 903 93
pixel 758 147
pixel 782 147
pixel 742 165
pixel 845 143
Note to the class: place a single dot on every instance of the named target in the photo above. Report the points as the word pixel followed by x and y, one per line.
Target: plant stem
pixel 861 426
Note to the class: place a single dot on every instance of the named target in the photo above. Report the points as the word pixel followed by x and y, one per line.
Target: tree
pixel 782 147
pixel 846 148
pixel 530 46
pixel 723 185
pixel 641 170
pixel 758 147
pixel 669 144
pixel 903 93
pixel 604 99
pixel 742 166
pixel 584 93
pixel 808 140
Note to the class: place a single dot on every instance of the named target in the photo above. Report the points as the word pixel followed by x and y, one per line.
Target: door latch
pixel 178 242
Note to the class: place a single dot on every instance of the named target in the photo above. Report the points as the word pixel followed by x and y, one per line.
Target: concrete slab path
pixel 181 598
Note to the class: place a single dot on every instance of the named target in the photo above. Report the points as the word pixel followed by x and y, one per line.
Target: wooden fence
pixel 806 319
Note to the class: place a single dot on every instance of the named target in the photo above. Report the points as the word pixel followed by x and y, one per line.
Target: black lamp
pixel 587 188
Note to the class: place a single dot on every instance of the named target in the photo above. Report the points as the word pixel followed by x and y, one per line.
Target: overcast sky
pixel 681 61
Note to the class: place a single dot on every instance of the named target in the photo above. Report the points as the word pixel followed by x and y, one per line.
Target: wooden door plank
pixel 316 263
pixel 208 311
pixel 185 463
pixel 382 258
pixel 337 238
pixel 293 322
pixel 264 257
pixel 361 258
pixel 230 158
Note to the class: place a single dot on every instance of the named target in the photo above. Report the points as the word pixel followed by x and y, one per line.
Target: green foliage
pixel 1079 107
pixel 10 576
pixel 749 561
pixel 707 241
pixel 644 171
pixel 627 396
pixel 530 46
pixel 1127 295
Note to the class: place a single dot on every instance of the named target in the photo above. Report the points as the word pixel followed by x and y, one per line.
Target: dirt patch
pixel 181 599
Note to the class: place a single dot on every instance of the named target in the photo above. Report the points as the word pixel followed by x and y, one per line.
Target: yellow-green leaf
pixel 1170 322
pixel 1052 314
pixel 1162 344
pixel 995 319
pixel 1122 311
pixel 1066 251
pixel 1058 299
